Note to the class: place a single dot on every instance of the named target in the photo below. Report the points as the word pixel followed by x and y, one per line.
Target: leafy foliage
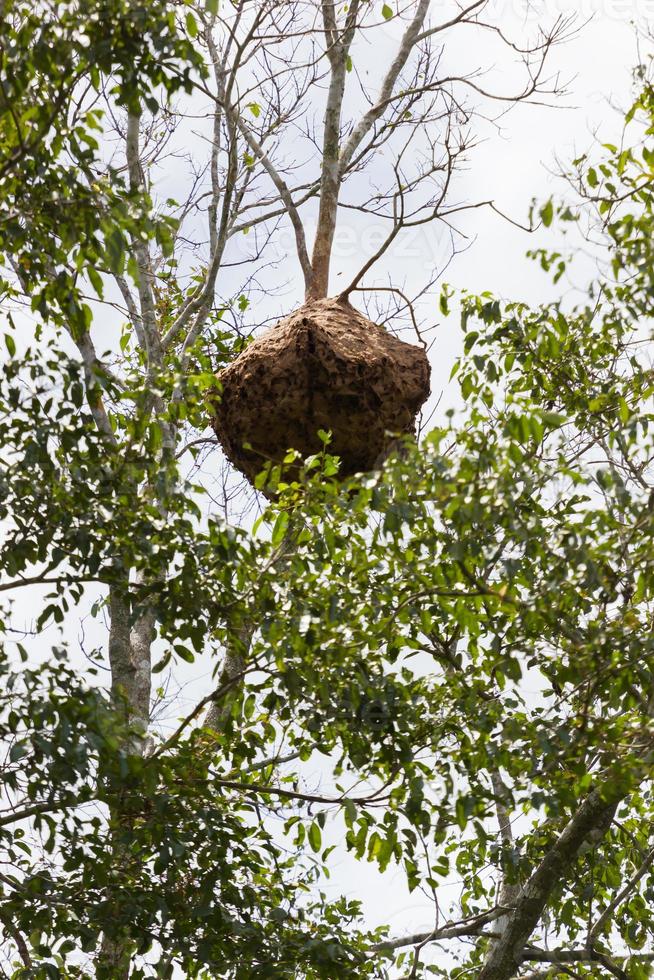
pixel 470 626
pixel 64 218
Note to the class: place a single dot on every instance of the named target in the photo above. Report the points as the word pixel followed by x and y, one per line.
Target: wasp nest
pixel 328 367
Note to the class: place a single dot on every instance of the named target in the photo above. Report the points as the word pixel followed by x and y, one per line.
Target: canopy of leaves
pixel 55 61
pixel 470 626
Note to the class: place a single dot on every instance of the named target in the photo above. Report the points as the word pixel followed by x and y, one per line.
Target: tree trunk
pixel 338 52
pixel 130 662
pixel 506 954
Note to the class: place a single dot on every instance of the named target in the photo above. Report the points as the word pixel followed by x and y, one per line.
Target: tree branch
pixel 338 53
pixel 148 316
pixel 561 956
pixel 285 195
pixel 367 121
pixel 507 953
pixel 451 930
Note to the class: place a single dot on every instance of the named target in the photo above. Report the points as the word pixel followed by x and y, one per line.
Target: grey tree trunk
pixel 130 660
pixel 506 954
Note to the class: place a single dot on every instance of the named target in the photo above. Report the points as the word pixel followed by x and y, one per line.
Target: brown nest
pixel 328 367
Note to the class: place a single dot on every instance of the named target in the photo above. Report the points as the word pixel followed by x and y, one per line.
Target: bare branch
pixel 338 53
pixel 92 372
pixel 285 195
pixel 256 789
pixel 562 956
pixel 18 938
pixel 45 580
pixel 368 120
pixel 461 17
pixel 471 926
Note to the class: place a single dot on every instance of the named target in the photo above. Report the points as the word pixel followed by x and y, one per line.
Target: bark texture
pixel 324 367
pixel 508 952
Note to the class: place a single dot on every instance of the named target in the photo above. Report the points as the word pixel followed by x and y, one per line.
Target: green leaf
pixel 280 528
pixel 191 25
pixel 17 752
pixel 547 214
pixel 184 653
pixel 387 12
pixel 315 837
pixel 96 280
pixel 162 663
pixel 115 245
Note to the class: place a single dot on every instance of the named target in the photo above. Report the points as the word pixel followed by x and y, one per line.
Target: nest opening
pixel 326 366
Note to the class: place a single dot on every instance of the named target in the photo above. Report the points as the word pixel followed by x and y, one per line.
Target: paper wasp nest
pixel 326 366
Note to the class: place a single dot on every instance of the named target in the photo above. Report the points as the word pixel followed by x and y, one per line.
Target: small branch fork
pixel 470 926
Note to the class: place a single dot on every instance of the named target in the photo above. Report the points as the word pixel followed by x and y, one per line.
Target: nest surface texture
pixel 326 366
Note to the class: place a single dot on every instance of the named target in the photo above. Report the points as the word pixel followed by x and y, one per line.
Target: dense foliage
pixel 62 216
pixel 461 640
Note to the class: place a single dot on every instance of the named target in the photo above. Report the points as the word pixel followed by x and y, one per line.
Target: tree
pixel 57 61
pixel 463 637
